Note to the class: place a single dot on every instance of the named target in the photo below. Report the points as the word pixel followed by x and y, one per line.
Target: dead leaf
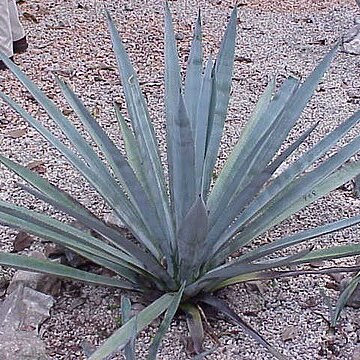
pixel 310 302
pixel 67 112
pixel 96 111
pixel 54 250
pixel 17 133
pixel 337 277
pixel 63 72
pixel 332 285
pixel 22 241
pixel 188 345
pixel 37 166
pixel 290 333
pixel 243 59
pixel 316 264
pixel 29 16
pixel 74 259
pixel 256 286
pixel 356 353
pixel 77 302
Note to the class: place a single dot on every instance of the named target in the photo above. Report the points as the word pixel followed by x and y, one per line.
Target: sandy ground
pixel 276 37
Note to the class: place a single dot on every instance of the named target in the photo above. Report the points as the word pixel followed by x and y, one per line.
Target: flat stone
pixel 112 218
pixel 356 353
pixel 4 283
pixel 351 41
pixel 25 309
pixel 21 314
pixel 21 345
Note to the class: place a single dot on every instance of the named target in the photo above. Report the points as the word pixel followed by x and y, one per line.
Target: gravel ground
pixel 276 37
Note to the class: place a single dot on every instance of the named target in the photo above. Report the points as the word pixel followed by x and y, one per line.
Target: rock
pixel 351 41
pixel 128 7
pixel 179 36
pixel 64 256
pixel 356 353
pixel 88 348
pixel 21 314
pixel 22 241
pixel 4 283
pixel 290 333
pixel 42 282
pixel 256 286
pixel 111 218
pixel 54 251
pixel 21 345
pixel 25 309
pixel 74 259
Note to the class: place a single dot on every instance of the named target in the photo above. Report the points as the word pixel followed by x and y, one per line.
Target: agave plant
pixel 185 224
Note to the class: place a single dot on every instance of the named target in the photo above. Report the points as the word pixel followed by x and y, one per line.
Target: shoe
pixel 20 46
pixel 2 64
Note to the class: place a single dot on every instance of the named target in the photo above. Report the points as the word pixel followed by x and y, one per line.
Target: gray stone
pixel 21 345
pixel 42 282
pixel 351 40
pixel 25 309
pixel 356 353
pixel 21 314
pixel 4 283
pixel 113 219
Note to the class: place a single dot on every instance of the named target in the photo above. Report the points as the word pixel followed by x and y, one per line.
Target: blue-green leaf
pixel 202 122
pixel 193 75
pixel 286 178
pixel 121 336
pixel 344 298
pixel 220 99
pixel 221 306
pixel 105 184
pixel 183 171
pixel 125 317
pixel 195 325
pixel 191 239
pixel 146 139
pixel 169 315
pixel 122 170
pixel 253 152
pixel 44 266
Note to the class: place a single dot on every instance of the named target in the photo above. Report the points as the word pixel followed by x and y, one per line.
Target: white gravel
pixel 275 37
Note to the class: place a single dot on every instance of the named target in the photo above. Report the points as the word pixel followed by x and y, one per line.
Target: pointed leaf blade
pixel 44 266
pixel 231 315
pixel 121 336
pixel 169 315
pixel 344 298
pixel 195 326
pixel 191 239
pixel 145 136
pixel 221 95
pixel 183 169
pixel 193 74
pixel 125 317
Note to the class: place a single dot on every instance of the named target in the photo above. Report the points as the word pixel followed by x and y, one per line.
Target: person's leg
pixel 17 30
pixel 6 41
